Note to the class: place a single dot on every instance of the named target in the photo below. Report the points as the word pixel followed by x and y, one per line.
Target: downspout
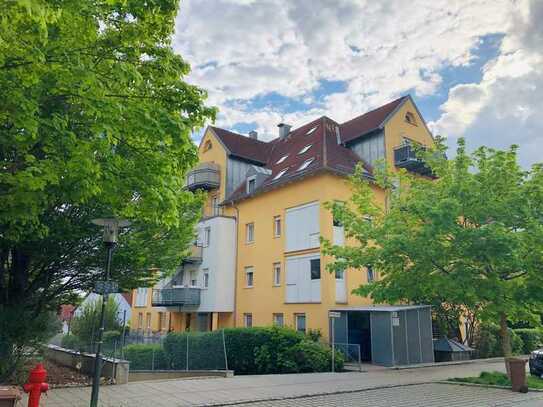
pixel 236 268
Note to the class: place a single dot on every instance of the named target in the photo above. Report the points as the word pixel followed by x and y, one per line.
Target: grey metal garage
pixel 387 335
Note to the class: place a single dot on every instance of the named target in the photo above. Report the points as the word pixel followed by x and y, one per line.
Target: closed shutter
pixel 302 227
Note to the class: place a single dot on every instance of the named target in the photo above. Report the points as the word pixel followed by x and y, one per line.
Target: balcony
pixel 178 297
pixel 204 176
pixel 195 254
pixel 406 157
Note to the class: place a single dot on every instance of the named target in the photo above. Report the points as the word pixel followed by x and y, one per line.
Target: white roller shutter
pixel 302 227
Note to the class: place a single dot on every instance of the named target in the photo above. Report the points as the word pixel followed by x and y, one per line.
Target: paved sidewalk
pixel 219 391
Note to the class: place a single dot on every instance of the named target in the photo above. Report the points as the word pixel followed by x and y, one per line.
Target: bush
pixel 531 338
pixel 146 357
pixel 70 341
pixel 488 342
pixel 250 351
pixel 86 325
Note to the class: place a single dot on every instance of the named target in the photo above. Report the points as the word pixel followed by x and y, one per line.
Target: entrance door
pixel 358 324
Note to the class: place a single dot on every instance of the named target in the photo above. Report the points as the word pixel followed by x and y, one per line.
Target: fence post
pixel 153 360
pixel 359 359
pixel 224 349
pixel 187 361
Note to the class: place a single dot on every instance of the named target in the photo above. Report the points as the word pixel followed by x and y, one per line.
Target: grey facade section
pixel 370 148
pixel 426 340
pixel 236 173
pixel 381 339
pixel 413 344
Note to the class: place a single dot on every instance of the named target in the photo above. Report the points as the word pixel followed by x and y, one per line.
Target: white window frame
pixel 280 174
pixel 248 320
pixel 249 232
pixel 249 282
pixel 148 321
pixel 206 278
pixel 276 317
pixel 193 277
pixel 140 321
pixel 311 130
pixel 277 226
pixel 306 164
pixel 305 149
pixel 215 206
pixel 296 322
pixel 141 297
pixel 207 236
pixel 249 180
pixel 277 274
pixel 282 159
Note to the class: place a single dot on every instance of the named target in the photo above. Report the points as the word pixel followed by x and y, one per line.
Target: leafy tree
pixel 95 121
pixel 469 241
pixel 85 325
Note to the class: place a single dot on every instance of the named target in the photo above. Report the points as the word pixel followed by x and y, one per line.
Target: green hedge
pixel 146 357
pixel 250 351
pixel 532 338
pixel 488 342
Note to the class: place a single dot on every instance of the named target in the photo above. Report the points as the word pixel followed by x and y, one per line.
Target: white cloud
pixel 240 49
pixel 504 107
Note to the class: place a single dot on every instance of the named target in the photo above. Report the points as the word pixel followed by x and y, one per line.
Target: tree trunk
pixel 504 335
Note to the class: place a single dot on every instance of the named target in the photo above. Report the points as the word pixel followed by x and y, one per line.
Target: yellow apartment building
pixel 257 259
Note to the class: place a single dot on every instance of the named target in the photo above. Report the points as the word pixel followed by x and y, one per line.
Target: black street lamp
pixel 104 287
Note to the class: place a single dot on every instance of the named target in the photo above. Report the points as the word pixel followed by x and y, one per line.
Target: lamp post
pixel 104 287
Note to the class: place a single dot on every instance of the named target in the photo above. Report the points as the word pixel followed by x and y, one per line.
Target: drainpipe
pixel 236 268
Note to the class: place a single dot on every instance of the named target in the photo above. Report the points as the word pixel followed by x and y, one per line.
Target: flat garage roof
pixel 382 308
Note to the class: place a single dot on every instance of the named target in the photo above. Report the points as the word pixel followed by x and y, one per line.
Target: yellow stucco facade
pixel 266 298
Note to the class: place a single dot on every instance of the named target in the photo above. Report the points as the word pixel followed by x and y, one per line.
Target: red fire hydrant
pixel 36 385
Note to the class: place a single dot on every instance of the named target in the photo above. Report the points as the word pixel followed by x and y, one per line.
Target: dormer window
pixel 410 118
pixel 311 131
pixel 305 164
pixel 303 150
pixel 280 174
pixel 251 184
pixel 282 159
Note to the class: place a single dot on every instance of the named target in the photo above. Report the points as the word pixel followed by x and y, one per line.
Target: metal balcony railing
pixel 195 254
pixel 181 296
pixel 204 176
pixel 405 156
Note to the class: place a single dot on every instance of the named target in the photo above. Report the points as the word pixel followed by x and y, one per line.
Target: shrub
pixel 488 342
pixel 86 325
pixel 531 338
pixel 146 357
pixel 70 341
pixel 311 356
pixel 206 350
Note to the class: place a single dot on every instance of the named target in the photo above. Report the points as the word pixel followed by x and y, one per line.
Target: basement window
pixel 306 164
pixel 280 174
pixel 303 150
pixel 282 159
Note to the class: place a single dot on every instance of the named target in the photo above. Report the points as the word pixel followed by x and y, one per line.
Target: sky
pixel 474 68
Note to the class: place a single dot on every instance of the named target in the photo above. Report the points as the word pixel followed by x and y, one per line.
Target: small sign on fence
pixel 334 314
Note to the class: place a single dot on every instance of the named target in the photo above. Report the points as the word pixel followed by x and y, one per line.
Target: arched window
pixel 410 118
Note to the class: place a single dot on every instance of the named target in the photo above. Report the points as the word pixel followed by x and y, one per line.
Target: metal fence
pixel 351 353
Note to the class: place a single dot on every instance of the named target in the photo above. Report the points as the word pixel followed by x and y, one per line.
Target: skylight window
pixel 280 174
pixel 303 150
pixel 282 159
pixel 305 164
pixel 311 131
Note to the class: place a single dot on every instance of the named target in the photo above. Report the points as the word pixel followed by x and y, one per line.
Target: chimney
pixel 284 129
pixel 253 134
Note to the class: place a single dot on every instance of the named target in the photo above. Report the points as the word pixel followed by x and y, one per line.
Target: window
pixel 303 150
pixel 276 274
pixel 300 322
pixel 340 274
pixel 193 279
pixel 140 320
pixel 315 269
pixel 249 277
pixel 370 274
pixel 251 184
pixel 302 227
pixel 148 321
pixel 311 131
pixel 276 226
pixel 410 118
pixel 215 206
pixel 280 174
pixel 207 146
pixel 278 320
pixel 207 236
pixel 161 321
pixel 141 297
pixel 305 164
pixel 248 320
pixel 249 232
pixel 282 159
pixel 206 278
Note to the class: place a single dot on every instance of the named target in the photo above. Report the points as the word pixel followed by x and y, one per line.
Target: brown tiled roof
pixel 369 121
pixel 327 150
pixel 243 147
